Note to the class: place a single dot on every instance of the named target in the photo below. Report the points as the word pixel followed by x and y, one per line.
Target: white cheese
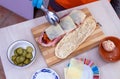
pixel 54 31
pixel 67 24
pixel 78 70
pixel 74 71
pixel 77 16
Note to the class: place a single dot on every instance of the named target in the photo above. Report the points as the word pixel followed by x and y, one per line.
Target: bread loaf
pixel 71 41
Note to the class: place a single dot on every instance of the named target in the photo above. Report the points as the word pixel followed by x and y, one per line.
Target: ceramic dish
pixel 90 64
pixel 45 73
pixel 90 70
pixel 22 44
pixel 111 56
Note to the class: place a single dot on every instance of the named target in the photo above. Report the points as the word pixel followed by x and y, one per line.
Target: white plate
pixel 45 73
pixel 90 69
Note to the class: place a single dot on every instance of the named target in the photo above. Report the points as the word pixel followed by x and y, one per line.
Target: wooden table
pixel 102 12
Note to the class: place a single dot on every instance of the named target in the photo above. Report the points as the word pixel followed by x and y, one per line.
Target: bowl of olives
pixel 21 53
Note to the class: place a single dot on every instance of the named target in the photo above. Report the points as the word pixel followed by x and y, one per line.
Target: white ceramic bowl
pixel 23 44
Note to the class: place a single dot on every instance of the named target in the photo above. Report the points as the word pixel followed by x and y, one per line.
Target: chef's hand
pixel 37 3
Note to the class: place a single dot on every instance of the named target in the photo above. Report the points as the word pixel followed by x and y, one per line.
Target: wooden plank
pixel 48 52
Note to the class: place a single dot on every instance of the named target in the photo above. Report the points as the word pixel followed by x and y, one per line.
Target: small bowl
pixel 113 55
pixel 17 44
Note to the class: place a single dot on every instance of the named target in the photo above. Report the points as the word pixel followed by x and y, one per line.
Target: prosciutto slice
pixel 50 43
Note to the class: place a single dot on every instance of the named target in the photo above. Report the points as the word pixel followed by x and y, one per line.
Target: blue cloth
pixel 37 3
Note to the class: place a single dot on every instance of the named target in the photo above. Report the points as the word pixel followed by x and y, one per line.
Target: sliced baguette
pixel 71 41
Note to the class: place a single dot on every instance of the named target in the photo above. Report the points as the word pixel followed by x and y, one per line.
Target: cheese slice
pixel 76 63
pixel 78 70
pixel 73 73
pixel 54 31
pixel 67 24
pixel 77 16
pixel 75 70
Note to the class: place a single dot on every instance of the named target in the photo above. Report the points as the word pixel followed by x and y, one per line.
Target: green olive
pixel 24 53
pixel 18 60
pixel 15 62
pixel 21 59
pixel 19 51
pixel 13 57
pixel 29 49
pixel 29 55
pixel 15 53
pixel 27 61
pixel 21 64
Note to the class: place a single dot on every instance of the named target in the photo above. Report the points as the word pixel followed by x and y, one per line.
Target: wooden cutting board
pixel 48 52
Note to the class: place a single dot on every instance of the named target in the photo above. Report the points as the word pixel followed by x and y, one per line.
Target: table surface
pixel 102 12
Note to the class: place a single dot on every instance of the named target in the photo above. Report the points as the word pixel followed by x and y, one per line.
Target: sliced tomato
pixel 45 39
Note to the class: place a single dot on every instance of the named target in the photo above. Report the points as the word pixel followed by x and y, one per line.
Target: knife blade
pixel 2 73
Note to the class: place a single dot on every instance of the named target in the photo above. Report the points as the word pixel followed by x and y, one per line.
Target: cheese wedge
pixel 67 24
pixel 77 16
pixel 71 41
pixel 54 31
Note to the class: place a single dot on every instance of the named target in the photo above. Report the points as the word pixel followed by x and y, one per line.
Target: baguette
pixel 71 41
